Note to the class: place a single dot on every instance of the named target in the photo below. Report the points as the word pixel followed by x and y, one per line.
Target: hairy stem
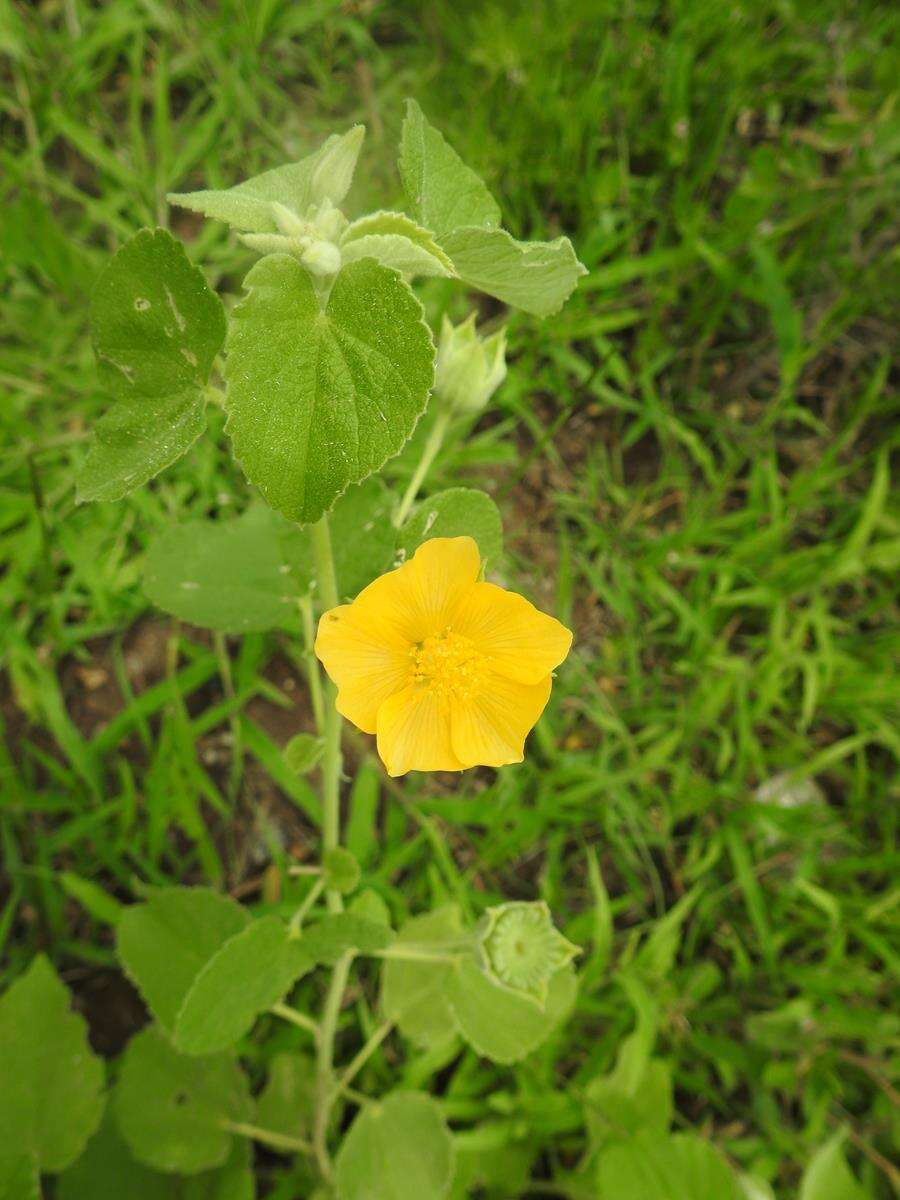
pixel 331 759
pixel 331 832
pixel 301 1020
pixel 302 912
pixel 357 1063
pixel 324 1061
pixel 429 453
pixel 313 676
pixel 268 1137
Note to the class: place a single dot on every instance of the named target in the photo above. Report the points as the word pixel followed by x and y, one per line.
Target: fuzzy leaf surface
pixel 442 192
pixel 326 173
pixel 156 328
pixel 503 1025
pixel 537 277
pixel 232 576
pixel 679 1167
pixel 166 942
pixel 171 1107
pixel 402 1142
pixel 247 975
pixel 51 1098
pixel 395 240
pixel 452 513
pixel 287 1102
pixel 413 994
pixel 319 399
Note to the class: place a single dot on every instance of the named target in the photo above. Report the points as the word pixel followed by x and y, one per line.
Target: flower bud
pixel 288 222
pixel 321 258
pixel 521 949
pixel 469 368
pixel 328 222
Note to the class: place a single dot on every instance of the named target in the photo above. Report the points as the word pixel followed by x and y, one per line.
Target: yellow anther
pixel 448 664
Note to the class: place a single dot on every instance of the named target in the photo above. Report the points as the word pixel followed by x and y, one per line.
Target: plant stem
pixel 313 677
pixel 429 453
pixel 357 1063
pixel 300 915
pixel 324 1060
pixel 296 1018
pixel 331 831
pixel 268 1137
pixel 234 721
pixel 331 759
pixel 450 953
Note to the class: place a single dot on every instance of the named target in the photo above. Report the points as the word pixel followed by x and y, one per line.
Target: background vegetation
pixel 692 460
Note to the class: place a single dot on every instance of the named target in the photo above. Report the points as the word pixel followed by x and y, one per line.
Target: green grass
pixel 693 464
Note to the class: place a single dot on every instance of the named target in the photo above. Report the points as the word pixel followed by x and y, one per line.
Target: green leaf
pixel 99 903
pixel 679 1167
pixel 247 975
pixel 615 1109
pixel 394 240
pixel 369 904
pixel 332 936
pixel 107 1170
pixel 172 1108
pixel 443 193
pixel 362 539
pixel 499 1024
pixel 452 513
pixel 156 329
pixel 51 1098
pixel 287 1102
pixel 413 994
pixel 320 399
pixel 232 576
pixel 234 1180
pixel 324 174
pixel 402 1142
pixel 487 1162
pixel 827 1177
pixel 303 752
pixel 136 440
pixel 537 277
pixel 165 943
pixel 19 1176
pixel 341 870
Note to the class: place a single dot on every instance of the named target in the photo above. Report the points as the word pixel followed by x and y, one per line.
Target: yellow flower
pixel 447 671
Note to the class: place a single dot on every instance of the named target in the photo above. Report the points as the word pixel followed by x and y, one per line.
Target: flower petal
pixel 521 642
pixel 420 597
pixel 443 571
pixel 414 733
pixel 365 657
pixel 490 729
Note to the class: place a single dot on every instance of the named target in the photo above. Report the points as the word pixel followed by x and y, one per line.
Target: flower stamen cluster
pixel 448 664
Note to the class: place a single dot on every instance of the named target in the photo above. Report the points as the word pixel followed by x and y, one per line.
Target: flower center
pixel 448 664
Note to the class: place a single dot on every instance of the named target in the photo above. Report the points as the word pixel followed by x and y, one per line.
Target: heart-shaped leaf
pixel 320 398
pixel 173 1109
